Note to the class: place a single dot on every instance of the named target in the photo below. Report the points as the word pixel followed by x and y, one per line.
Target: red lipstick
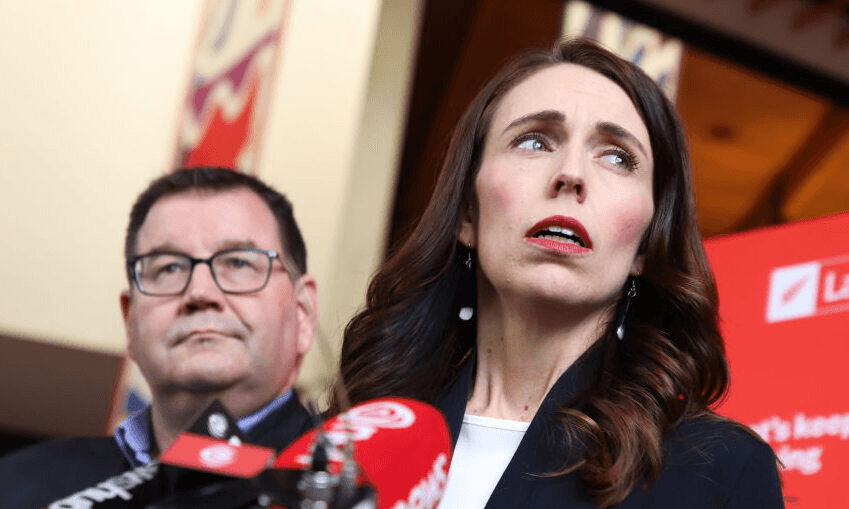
pixel 562 234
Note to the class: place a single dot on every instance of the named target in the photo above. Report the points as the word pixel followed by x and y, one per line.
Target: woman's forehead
pixel 575 91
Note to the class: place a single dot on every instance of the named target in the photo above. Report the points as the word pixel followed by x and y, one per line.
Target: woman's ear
pixel 466 231
pixel 638 265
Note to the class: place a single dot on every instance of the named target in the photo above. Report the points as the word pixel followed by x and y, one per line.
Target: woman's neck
pixel 522 350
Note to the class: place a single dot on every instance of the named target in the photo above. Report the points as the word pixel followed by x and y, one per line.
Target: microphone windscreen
pixel 402 447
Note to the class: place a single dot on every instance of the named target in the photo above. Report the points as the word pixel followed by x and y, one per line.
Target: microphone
pixel 397 447
pixel 392 451
pixel 213 435
pixel 130 489
pixel 401 447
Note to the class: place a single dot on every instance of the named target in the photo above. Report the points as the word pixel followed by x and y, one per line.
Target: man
pixel 219 306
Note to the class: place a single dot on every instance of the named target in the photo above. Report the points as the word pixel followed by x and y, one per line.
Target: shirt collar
pixel 135 438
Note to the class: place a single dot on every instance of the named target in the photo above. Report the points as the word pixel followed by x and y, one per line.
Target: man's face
pixel 246 348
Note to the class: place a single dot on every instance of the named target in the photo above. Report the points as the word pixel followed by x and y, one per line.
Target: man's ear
pixel 306 295
pixel 126 300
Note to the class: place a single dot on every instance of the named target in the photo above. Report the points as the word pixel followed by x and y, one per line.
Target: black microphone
pixel 391 453
pixel 133 488
pixel 143 485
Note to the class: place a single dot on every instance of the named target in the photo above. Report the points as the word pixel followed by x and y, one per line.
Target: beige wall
pixel 88 113
pixel 336 151
pixel 88 104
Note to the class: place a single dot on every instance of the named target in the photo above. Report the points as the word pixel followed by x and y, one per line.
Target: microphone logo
pixel 383 414
pixel 217 456
pixel 217 425
pixel 361 423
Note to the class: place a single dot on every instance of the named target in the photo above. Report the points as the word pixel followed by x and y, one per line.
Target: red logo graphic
pixel 212 455
pixel 808 289
pixel 793 290
pixel 835 285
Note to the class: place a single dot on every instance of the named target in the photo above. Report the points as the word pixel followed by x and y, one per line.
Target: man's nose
pixel 203 292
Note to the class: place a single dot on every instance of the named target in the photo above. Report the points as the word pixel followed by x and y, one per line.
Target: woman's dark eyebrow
pixel 618 131
pixel 554 116
pixel 546 116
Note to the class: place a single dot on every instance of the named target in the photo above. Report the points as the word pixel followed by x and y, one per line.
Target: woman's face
pixel 564 191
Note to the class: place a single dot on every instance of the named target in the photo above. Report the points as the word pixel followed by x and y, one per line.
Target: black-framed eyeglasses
pixel 234 271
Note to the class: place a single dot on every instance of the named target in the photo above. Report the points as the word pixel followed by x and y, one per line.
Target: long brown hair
pixel 671 367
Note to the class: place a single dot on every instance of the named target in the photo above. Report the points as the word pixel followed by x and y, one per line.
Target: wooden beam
pixel 755 6
pixel 817 11
pixel 767 209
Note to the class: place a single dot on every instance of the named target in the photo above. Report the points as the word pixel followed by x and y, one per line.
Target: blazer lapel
pixel 524 482
pixel 453 399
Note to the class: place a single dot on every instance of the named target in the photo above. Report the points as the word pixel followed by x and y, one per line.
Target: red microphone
pixel 398 448
pixel 401 446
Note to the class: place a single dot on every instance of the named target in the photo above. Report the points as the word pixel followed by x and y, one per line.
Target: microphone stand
pixel 314 488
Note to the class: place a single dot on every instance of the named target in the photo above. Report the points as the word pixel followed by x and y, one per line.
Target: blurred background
pixel 358 101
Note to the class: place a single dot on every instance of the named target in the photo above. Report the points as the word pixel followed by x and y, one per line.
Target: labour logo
pixel 793 292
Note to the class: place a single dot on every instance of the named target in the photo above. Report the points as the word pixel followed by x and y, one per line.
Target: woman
pixel 555 302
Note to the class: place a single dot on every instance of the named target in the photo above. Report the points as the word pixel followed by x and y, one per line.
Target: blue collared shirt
pixel 134 434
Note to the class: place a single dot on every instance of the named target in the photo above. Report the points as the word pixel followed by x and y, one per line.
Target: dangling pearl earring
pixel 466 289
pixel 632 292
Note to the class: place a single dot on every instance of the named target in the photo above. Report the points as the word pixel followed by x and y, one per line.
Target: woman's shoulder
pixel 713 458
pixel 711 436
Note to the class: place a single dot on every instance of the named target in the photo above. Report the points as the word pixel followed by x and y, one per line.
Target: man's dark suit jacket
pixel 41 474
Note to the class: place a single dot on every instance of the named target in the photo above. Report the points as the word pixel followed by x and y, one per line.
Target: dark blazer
pixel 43 473
pixel 708 462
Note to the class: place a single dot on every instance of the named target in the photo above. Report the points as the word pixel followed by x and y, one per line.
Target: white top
pixel 483 450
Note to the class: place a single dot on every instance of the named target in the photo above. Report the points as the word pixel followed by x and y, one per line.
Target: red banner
pixel 784 307
pixel 232 73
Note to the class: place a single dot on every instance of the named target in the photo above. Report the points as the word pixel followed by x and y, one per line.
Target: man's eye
pixel 169 268
pixel 237 262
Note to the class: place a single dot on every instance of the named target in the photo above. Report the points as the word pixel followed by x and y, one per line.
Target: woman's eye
pixel 620 159
pixel 533 143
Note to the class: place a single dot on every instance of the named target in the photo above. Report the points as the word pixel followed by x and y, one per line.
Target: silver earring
pixel 632 292
pixel 466 287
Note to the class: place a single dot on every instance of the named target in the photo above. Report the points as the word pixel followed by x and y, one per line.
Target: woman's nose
pixel 569 179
